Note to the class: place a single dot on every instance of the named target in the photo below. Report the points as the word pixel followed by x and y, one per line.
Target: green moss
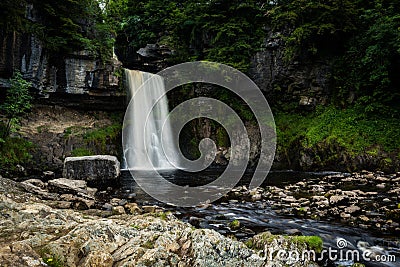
pixel 313 242
pixel 80 152
pixel 101 136
pixel 148 244
pixel 332 129
pixel 388 160
pixel 267 237
pixel 42 128
pixel 234 225
pixel 373 152
pixel 53 262
pixel 162 215
pixel 50 259
pixel 74 130
pixel 136 227
pixel 222 138
pixel 13 151
pixel 249 243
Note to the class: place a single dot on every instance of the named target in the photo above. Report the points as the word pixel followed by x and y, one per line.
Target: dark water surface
pixel 256 217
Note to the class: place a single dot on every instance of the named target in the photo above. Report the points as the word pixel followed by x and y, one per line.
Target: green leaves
pixel 17 102
pixel 370 66
pixel 223 31
pixel 314 24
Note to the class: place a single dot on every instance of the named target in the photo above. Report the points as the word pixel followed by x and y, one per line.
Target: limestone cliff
pixel 73 79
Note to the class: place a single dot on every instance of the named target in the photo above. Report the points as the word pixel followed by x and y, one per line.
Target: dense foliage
pixel 361 40
pixel 62 25
pixel 362 36
pixel 223 31
pixel 17 103
pixel 370 66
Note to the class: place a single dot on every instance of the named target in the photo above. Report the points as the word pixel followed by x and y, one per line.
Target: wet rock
pixel 352 209
pixel 133 208
pixel 107 206
pixel 20 168
pixel 381 186
pixel 336 199
pixel 293 232
pixel 149 209
pixel 344 215
pixel 363 218
pixel 289 199
pixel 115 201
pixel 48 175
pixel 122 202
pixel 256 197
pixel 195 221
pixel 119 210
pixel 131 196
pixel 98 169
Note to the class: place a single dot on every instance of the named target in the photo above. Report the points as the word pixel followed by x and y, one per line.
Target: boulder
pixel 98 169
pixel 68 186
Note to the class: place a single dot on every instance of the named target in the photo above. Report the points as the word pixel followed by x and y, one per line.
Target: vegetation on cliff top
pixel 223 31
pixel 361 39
pixel 331 134
pixel 64 26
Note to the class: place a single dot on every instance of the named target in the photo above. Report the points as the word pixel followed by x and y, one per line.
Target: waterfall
pixel 147 133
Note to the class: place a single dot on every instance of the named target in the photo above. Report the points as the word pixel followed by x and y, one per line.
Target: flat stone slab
pixel 93 169
pixel 69 186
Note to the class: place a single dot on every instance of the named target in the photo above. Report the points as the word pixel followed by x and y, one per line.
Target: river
pixel 260 216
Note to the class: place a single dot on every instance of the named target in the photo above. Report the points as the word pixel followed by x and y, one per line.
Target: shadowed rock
pixel 100 169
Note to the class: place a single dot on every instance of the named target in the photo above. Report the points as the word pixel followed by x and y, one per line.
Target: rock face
pixel 93 169
pixel 58 77
pixel 34 234
pixel 301 81
pixel 58 132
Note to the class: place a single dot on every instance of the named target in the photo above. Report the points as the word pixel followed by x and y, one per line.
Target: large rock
pixel 98 169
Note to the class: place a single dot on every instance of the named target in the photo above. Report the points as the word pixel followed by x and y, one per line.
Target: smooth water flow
pixel 148 136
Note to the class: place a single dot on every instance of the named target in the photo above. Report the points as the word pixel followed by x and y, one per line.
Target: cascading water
pixel 148 133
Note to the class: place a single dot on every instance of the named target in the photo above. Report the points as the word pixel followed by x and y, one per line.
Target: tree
pixel 17 102
pixel 12 15
pixel 369 68
pixel 314 26
pixel 217 30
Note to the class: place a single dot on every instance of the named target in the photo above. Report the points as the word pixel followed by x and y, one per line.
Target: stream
pixel 259 216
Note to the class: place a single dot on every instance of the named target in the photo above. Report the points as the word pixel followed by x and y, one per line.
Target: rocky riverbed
pixel 63 221
pixel 366 200
pixel 56 224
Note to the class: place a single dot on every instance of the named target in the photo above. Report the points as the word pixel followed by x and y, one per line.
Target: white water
pixel 147 134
